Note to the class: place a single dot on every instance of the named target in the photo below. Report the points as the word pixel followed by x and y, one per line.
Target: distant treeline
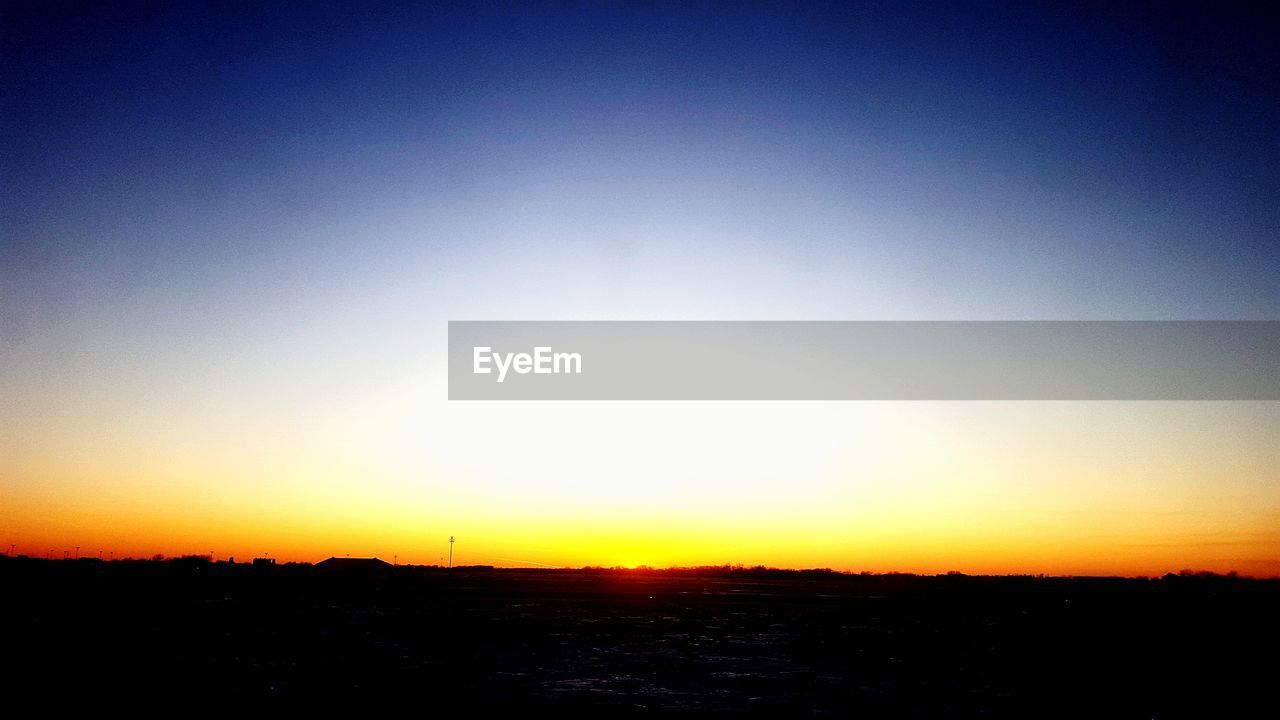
pixel 203 563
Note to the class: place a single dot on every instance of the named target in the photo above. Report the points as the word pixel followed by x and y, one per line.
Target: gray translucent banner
pixel 712 360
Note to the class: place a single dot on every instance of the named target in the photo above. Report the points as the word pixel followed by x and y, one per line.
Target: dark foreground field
pixel 192 635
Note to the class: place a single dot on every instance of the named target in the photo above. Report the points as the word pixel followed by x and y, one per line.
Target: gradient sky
pixel 231 235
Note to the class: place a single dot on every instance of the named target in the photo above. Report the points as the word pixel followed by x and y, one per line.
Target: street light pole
pixel 450 552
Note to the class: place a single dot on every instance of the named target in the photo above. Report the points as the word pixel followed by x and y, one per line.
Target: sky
pixel 232 234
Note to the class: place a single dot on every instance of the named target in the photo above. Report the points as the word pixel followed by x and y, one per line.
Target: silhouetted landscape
pixel 914 285
pixel 187 632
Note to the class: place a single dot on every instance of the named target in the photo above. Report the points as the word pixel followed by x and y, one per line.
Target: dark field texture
pixel 187 635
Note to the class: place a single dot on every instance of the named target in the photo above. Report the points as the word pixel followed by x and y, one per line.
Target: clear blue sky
pixel 953 159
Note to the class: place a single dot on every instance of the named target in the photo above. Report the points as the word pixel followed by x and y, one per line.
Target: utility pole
pixel 450 552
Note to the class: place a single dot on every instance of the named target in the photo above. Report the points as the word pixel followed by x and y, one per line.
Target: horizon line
pixel 160 558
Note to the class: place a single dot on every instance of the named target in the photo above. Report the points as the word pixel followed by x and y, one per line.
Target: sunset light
pixel 865 359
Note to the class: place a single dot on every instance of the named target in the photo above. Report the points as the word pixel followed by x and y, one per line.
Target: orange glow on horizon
pixel 1059 489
